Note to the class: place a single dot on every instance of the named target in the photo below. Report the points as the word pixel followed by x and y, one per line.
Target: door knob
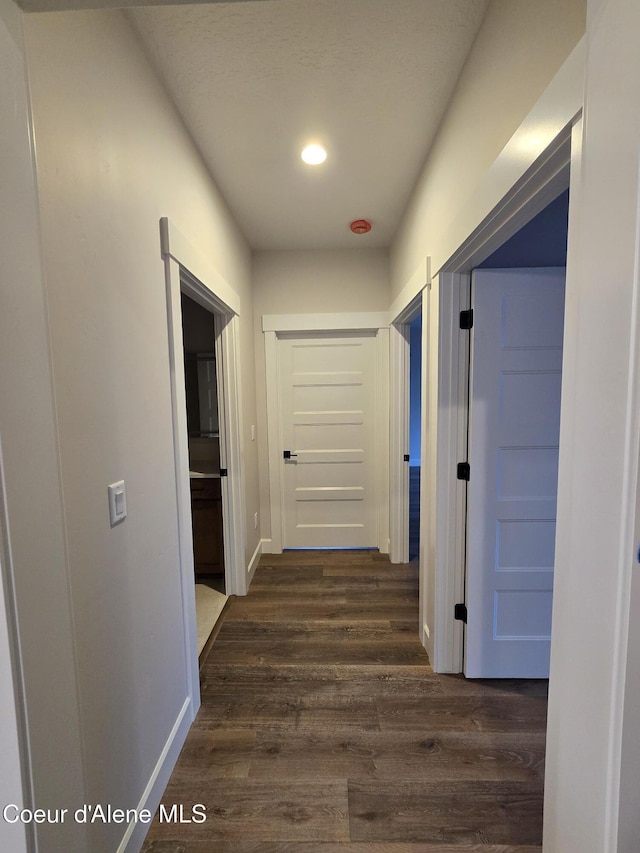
pixel 287 454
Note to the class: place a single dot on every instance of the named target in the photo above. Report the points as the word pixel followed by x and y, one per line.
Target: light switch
pixel 117 502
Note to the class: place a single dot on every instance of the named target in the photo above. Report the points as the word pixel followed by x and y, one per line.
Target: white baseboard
pixel 267 547
pixel 150 800
pixel 253 562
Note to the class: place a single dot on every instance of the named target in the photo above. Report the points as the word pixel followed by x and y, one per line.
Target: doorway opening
pixel 513 422
pixel 406 364
pixel 188 274
pixel 201 361
pixel 415 433
pixel 547 179
pixel 537 246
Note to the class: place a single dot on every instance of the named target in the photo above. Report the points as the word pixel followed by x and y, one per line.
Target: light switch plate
pixel 117 502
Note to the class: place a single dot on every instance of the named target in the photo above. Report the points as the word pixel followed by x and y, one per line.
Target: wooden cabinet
pixel 206 512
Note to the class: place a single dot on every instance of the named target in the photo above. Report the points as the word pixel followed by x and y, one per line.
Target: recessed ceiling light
pixel 314 155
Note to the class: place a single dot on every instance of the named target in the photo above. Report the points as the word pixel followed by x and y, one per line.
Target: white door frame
pixel 187 272
pixel 400 394
pixel 272 325
pixel 549 177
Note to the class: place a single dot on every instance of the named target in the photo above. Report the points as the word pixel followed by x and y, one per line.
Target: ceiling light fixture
pixel 314 155
pixel 360 226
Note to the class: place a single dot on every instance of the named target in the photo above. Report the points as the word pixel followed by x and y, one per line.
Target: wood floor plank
pixel 355 754
pixel 461 756
pixel 313 642
pixel 371 680
pixel 312 754
pixel 269 574
pixel 323 728
pixel 215 754
pixel 293 711
pixel 381 571
pixel 458 685
pixel 468 713
pixel 328 608
pixel 332 650
pixel 397 593
pixel 312 631
pixel 460 812
pixel 239 846
pixel 264 811
pixel 287 581
pixel 306 561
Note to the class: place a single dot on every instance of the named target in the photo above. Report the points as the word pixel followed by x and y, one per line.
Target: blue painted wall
pixel 415 355
pixel 542 242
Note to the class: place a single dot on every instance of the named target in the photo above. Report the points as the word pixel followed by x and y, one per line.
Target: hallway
pixel 323 727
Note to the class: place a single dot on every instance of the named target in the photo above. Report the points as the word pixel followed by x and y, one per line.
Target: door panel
pixel 514 424
pixel 327 389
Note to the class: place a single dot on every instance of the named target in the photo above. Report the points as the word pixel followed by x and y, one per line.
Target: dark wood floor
pixel 324 730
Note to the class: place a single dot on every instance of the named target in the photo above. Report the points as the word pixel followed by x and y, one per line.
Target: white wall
pixel 113 158
pixel 35 561
pixel 518 49
pixel 308 282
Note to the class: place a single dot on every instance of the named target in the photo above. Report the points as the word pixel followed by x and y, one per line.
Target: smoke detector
pixel 360 226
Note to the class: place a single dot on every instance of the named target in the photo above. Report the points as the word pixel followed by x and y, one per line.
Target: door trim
pixel 450 400
pixel 272 324
pixel 187 272
pixel 347 322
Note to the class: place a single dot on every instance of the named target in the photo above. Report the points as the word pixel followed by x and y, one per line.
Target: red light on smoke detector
pixel 360 226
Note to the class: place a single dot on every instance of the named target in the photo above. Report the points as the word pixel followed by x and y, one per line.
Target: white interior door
pixel 327 385
pixel 514 423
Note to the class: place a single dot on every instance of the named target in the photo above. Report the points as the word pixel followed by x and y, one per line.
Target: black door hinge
pixel 460 613
pixel 463 471
pixel 466 319
pixel 406 457
pixel 223 472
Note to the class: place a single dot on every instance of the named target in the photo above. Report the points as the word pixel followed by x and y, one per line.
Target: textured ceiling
pixel 254 81
pixel 75 5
